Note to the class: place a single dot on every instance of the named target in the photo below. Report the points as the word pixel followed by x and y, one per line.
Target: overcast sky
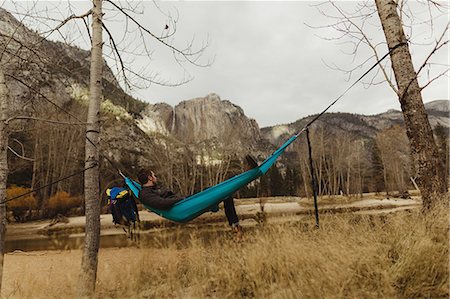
pixel 267 60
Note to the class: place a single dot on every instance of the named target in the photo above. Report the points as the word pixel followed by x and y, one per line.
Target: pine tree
pixel 277 187
pixel 264 189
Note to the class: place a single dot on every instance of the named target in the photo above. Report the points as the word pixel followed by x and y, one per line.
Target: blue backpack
pixel 122 206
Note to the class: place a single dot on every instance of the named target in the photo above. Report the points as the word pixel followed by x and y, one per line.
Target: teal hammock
pixel 208 199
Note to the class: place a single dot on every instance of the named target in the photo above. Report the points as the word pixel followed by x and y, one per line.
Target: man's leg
pixel 230 212
pixel 233 220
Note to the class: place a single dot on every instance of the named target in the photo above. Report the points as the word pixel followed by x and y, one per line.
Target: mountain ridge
pixel 365 125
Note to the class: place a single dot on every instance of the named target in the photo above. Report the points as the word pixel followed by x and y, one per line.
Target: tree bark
pixel 423 147
pixel 3 166
pixel 89 260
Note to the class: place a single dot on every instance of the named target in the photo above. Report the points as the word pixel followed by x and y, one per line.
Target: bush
pixel 20 207
pixel 62 203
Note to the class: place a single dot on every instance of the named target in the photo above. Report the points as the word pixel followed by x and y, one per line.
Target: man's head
pixel 147 177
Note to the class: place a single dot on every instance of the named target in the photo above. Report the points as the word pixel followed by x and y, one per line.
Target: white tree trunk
pixel 423 147
pixel 3 166
pixel 89 260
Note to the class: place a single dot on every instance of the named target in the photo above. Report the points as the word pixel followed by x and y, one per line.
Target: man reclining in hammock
pixel 159 197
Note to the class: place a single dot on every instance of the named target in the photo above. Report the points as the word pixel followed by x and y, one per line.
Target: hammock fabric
pixel 208 199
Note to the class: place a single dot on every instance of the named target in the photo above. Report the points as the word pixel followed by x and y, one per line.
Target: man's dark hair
pixel 143 175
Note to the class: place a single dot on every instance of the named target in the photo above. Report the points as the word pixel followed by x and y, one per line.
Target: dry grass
pixel 402 255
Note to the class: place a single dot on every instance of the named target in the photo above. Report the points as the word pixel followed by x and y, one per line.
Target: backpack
pixel 122 206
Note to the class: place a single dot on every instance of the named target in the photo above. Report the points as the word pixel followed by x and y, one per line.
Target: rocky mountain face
pixel 438 114
pixel 360 126
pixel 206 120
pixel 35 65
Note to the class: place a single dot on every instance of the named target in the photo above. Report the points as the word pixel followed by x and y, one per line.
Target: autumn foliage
pixel 22 206
pixel 62 203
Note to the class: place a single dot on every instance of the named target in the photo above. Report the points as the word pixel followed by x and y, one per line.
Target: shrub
pixel 61 203
pixel 22 206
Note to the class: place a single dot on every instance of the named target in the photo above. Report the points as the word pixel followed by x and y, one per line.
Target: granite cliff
pixel 360 126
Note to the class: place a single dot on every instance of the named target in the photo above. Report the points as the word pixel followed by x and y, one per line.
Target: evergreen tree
pixel 297 181
pixel 264 189
pixel 276 182
pixel 292 181
pixel 288 181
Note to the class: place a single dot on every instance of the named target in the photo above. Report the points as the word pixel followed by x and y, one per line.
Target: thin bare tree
pixel 88 273
pixel 3 164
pixel 351 25
pixel 431 177
pixel 393 146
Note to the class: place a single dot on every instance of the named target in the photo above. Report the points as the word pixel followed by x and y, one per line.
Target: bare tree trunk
pixel 3 166
pixel 35 164
pixel 348 177
pixel 423 147
pixel 386 185
pixel 89 260
pixel 304 170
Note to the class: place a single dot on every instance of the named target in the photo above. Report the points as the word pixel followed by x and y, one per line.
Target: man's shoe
pixel 238 233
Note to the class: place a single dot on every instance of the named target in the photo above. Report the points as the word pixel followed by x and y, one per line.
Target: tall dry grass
pixel 354 256
pixel 401 255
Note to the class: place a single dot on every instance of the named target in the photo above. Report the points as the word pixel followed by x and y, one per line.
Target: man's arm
pixel 155 201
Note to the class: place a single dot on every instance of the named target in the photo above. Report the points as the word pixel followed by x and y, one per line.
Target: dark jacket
pixel 158 197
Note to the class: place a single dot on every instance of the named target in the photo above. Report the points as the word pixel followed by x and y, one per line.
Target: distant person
pixel 159 197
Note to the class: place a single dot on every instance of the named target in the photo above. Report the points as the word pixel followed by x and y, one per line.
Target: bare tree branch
pixel 438 46
pixel 117 53
pixel 43 120
pixel 19 155
pixel 187 53
pixel 367 42
pixel 65 21
pixel 444 73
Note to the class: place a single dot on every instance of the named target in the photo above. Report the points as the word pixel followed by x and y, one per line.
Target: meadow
pixel 397 255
